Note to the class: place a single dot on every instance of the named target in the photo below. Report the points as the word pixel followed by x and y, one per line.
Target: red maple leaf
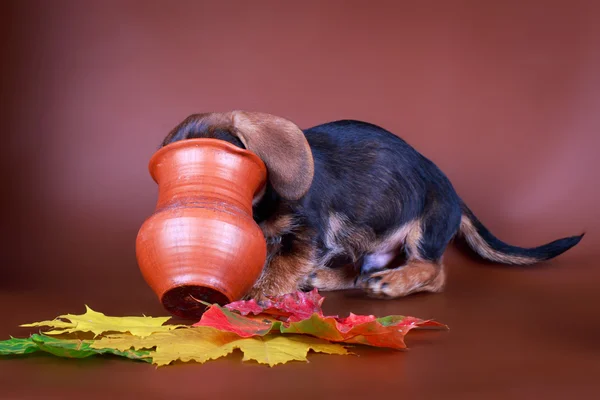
pixel 292 307
pixel 301 313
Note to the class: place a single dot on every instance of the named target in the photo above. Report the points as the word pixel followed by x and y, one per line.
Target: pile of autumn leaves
pixel 281 330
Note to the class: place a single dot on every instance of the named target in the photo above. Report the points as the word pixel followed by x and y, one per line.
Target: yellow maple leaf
pixel 99 323
pixel 279 349
pixel 201 344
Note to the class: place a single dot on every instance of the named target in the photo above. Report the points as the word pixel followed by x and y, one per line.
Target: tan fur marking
pixel 258 196
pixel 484 250
pixel 414 238
pixel 337 224
pixel 343 237
pixel 408 235
pixel 278 225
pixel 416 276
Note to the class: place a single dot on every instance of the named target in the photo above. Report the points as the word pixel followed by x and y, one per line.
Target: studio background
pixel 502 96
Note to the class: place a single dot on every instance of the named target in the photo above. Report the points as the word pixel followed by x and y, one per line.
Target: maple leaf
pixel 201 344
pixel 295 306
pixel 70 348
pixel 277 349
pixel 301 313
pixel 99 323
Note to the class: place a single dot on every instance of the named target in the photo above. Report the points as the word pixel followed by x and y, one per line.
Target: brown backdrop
pixel 503 97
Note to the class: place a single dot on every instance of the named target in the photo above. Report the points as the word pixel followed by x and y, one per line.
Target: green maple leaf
pixel 69 348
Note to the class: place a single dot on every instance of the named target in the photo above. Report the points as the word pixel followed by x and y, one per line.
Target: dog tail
pixel 486 245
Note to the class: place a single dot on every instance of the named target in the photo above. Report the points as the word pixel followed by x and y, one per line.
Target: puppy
pixel 351 205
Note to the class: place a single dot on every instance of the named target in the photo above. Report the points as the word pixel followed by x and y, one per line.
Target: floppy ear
pixel 283 148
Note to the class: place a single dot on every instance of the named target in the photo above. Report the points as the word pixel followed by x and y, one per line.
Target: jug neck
pixel 205 172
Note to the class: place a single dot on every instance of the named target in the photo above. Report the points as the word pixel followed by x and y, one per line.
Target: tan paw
pixel 328 279
pixel 399 282
pixel 261 293
pixel 258 296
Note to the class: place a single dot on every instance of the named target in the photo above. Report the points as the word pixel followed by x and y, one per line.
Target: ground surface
pixel 514 334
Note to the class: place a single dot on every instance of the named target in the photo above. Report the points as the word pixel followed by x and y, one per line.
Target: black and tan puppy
pixel 350 205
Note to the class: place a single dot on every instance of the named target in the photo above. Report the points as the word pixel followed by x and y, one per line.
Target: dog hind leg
pixel 425 245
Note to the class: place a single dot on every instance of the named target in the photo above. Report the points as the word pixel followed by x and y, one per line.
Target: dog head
pixel 277 141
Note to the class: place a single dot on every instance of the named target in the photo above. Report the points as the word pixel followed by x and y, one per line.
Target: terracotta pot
pixel 201 243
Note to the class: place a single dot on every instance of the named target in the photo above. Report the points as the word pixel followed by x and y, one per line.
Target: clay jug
pixel 201 243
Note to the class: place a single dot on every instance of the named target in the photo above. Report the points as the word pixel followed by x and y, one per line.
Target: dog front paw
pixel 262 296
pixel 328 279
pixel 257 295
pixel 378 285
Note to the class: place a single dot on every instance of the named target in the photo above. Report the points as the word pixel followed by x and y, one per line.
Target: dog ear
pixel 283 148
